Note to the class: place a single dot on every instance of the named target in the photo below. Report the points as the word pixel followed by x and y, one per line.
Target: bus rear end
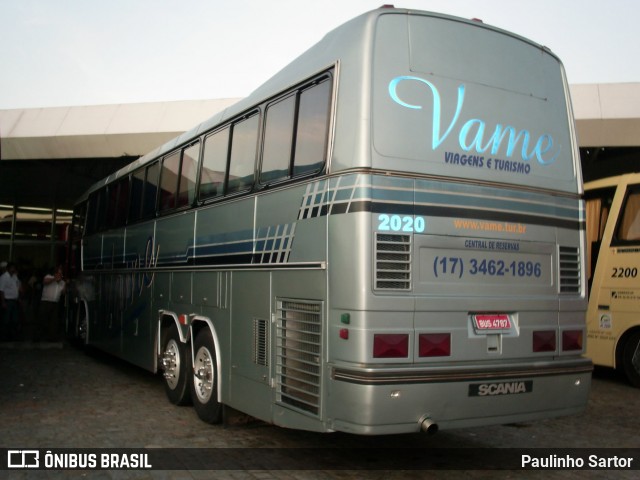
pixel 456 258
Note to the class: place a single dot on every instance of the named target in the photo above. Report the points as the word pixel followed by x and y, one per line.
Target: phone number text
pixel 459 267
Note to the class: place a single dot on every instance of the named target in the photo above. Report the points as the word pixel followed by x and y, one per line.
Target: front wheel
pixel 176 366
pixel 631 359
pixel 204 386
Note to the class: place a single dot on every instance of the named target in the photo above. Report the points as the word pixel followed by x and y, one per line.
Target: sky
pixel 93 52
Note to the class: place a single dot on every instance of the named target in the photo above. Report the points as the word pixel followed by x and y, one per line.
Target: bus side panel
pixel 139 320
pixel 290 226
pixel 113 249
pixel 224 234
pixel 139 311
pixel 211 297
pixel 105 324
pixel 250 389
pixel 92 252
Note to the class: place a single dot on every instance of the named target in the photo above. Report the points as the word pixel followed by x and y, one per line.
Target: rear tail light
pixel 434 344
pixel 544 341
pixel 390 345
pixel 571 340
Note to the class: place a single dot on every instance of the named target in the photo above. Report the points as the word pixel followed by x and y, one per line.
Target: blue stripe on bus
pixel 363 193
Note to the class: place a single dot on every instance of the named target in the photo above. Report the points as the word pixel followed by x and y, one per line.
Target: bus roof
pixel 346 43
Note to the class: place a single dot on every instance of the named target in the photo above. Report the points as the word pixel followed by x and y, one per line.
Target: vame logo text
pixel 474 135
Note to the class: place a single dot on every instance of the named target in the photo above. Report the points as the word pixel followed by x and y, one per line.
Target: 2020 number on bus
pixel 397 223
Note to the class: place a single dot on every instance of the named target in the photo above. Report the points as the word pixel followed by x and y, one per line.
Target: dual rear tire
pixel 188 381
pixel 204 384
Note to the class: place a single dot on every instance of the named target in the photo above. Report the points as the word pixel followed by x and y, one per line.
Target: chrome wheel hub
pixel 171 364
pixel 203 375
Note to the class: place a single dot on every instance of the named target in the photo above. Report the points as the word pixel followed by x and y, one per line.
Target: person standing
pixel 9 296
pixel 53 286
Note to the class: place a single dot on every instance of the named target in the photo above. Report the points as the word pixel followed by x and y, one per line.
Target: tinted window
pixel 137 190
pixel 311 134
pixel 112 204
pixel 296 133
pixel 278 140
pixel 188 172
pixel 214 164
pixel 92 213
pixel 102 209
pixel 118 199
pixel 169 181
pixel 243 154
pixel 150 190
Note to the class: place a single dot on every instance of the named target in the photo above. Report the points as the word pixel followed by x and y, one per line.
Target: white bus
pixel 386 236
pixel 613 246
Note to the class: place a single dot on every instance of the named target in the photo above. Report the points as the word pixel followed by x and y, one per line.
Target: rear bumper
pixel 392 400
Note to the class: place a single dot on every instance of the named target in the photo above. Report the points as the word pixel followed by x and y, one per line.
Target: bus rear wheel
pixel 204 386
pixel 631 359
pixel 176 364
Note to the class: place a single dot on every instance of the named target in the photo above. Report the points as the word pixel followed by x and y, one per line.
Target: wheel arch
pixel 165 320
pixel 622 341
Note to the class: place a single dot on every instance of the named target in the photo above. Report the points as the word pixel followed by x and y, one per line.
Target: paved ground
pixel 57 397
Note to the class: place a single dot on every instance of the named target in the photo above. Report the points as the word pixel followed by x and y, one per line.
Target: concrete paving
pixel 56 396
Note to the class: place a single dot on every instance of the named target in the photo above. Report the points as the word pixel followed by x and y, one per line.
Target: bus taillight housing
pixel 434 345
pixel 571 340
pixel 544 341
pixel 391 345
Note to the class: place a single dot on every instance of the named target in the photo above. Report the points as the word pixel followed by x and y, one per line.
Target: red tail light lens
pixel 571 340
pixel 544 341
pixel 434 344
pixel 390 345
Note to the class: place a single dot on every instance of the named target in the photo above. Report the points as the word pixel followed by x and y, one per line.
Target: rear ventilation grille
pixel 298 354
pixel 570 274
pixel 393 262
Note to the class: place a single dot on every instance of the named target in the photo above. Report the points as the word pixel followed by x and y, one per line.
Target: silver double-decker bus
pixel 385 237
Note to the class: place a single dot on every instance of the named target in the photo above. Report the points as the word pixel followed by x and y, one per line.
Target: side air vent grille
pixel 260 342
pixel 569 270
pixel 392 262
pixel 298 354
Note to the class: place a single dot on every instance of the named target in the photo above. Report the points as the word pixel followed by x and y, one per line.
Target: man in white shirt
pixel 9 296
pixel 53 286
